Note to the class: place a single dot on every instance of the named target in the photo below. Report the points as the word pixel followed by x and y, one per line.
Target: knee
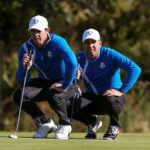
pixel 115 104
pixel 55 95
pixel 109 100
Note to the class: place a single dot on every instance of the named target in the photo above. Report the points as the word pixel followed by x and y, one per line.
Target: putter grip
pixel 30 57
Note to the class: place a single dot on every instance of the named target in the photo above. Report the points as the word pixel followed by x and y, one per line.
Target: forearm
pixel 131 78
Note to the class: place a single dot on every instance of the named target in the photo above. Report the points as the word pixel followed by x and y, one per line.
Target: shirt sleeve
pixel 130 67
pixel 67 54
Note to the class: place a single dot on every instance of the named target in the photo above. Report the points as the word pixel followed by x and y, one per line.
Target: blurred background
pixel 123 24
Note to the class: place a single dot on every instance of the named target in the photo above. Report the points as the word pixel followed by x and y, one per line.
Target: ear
pixel 47 29
pixel 100 42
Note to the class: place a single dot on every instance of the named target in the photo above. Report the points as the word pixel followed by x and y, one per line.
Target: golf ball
pixel 13 136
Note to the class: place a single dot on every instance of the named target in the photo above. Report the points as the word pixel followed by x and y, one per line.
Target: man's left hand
pixel 58 87
pixel 112 92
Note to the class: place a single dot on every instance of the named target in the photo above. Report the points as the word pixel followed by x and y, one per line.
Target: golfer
pixel 104 87
pixel 51 56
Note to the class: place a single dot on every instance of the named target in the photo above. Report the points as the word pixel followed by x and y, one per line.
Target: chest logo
pixel 102 65
pixel 49 54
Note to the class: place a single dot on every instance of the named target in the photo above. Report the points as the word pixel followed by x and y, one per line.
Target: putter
pixel 14 136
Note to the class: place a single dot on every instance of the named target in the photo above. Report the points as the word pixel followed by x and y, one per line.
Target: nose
pixel 90 45
pixel 35 33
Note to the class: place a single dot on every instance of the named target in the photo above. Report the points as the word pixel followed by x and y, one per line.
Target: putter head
pixel 13 136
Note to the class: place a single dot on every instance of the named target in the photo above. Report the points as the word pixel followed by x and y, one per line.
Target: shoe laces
pixel 94 127
pixel 112 130
pixel 91 129
pixel 42 129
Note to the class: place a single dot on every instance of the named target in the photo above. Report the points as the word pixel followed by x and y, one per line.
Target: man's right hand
pixel 27 60
pixel 78 73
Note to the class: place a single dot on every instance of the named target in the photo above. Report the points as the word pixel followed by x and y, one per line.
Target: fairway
pixel 125 141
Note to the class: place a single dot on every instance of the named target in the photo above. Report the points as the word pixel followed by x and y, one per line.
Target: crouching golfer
pixel 104 90
pixel 56 65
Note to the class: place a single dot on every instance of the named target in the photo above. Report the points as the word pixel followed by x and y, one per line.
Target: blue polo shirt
pixel 55 61
pixel 104 72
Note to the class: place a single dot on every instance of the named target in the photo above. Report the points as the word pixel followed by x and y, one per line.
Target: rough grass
pixel 125 141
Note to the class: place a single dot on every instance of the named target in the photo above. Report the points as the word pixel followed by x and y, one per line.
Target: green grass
pixel 125 141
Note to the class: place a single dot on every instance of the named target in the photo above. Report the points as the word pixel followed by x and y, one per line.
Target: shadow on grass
pixel 30 137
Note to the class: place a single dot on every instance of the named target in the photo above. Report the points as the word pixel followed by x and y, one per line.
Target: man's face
pixel 39 37
pixel 91 48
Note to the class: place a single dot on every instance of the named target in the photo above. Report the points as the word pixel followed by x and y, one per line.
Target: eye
pixel 34 31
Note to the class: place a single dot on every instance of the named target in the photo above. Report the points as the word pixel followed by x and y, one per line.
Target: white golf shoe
pixel 63 132
pixel 45 129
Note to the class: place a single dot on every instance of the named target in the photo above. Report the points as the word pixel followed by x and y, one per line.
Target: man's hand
pixel 27 60
pixel 57 87
pixel 78 73
pixel 112 92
